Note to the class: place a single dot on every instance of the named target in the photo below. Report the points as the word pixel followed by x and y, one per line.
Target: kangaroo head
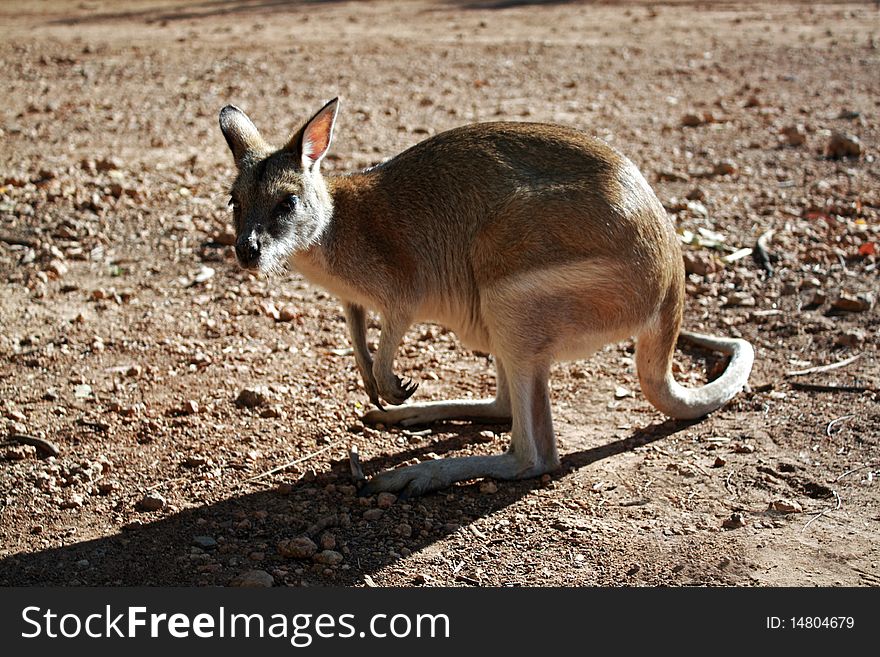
pixel 279 200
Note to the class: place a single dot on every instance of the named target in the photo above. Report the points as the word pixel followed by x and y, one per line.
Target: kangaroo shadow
pixel 208 545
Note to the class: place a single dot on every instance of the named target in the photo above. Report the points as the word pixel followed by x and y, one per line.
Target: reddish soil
pixel 115 349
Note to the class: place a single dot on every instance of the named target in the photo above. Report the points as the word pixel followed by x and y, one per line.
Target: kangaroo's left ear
pixel 240 132
pixel 312 141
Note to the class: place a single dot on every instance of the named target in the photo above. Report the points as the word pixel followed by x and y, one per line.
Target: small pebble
pixel 735 521
pixel 842 145
pixel 373 514
pixel 152 502
pixel 301 547
pixel 205 542
pixel 328 557
pixel 385 500
pixel 786 506
pixel 253 397
pixel 253 579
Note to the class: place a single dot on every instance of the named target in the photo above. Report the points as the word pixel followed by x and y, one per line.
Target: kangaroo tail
pixel 655 346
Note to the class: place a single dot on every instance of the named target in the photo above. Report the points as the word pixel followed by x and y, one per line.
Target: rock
pixel 852 337
pixel 622 393
pixel 56 268
pixel 403 530
pixel 268 309
pixel 696 194
pixel 385 500
pixel 743 448
pixel 253 579
pixel 725 168
pixel 327 541
pixel 842 145
pixel 152 502
pixel 699 263
pixel 301 547
pixel 853 304
pixel 196 461
pixel 740 299
pixel 373 514
pixel 205 542
pixel 697 209
pixel 189 407
pixel 485 437
pixel 786 506
pixel 719 462
pixel 20 452
pixel 253 397
pixel 488 488
pixel 667 175
pixel 224 237
pixel 74 501
pixel 794 135
pixel 735 521
pixel 692 120
pixel 271 412
pixel 819 298
pixel 108 164
pixel 287 314
pixel 82 391
pixel 329 557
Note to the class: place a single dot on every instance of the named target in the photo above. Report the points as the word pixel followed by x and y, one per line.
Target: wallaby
pixel 533 242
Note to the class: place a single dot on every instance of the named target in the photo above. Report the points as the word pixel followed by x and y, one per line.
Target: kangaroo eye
pixel 287 205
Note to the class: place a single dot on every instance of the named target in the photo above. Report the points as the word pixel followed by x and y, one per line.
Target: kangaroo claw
pixel 399 390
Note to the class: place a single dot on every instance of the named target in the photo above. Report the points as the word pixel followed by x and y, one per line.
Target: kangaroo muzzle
pixel 247 250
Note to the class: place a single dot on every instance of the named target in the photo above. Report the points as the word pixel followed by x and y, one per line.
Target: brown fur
pixel 533 241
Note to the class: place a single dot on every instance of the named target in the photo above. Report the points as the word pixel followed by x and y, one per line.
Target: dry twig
pixel 284 466
pixel 824 368
pixel 835 421
pixel 825 512
pixel 46 447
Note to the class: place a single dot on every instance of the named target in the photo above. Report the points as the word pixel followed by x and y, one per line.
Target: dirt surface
pixel 128 330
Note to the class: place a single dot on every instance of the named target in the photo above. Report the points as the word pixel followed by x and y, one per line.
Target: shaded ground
pixel 121 348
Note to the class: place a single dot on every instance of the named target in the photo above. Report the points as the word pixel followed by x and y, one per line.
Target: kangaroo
pixel 533 242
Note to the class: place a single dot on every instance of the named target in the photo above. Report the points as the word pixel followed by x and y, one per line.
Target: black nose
pixel 247 249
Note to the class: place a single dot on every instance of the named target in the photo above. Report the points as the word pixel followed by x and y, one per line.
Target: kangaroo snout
pixel 247 250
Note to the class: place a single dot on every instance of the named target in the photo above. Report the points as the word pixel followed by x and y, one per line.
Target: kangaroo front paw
pixel 395 390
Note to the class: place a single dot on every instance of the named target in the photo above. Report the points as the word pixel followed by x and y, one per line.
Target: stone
pixel 794 135
pixel 735 521
pixel 842 145
pixel 852 337
pixel 205 542
pixel 253 579
pixel 853 304
pixel 385 500
pixel 253 397
pixel 725 168
pixel 152 502
pixel 786 506
pixel 329 557
pixel 301 547
pixel 373 514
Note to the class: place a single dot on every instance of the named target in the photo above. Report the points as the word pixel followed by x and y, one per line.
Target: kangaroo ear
pixel 241 134
pixel 312 141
